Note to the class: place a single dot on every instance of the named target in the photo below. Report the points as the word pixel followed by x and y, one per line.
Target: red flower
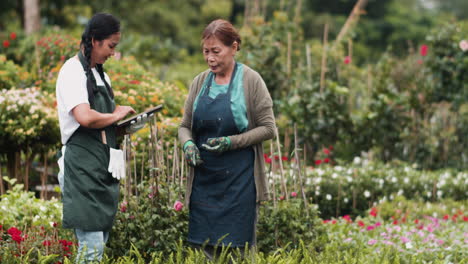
pixel 446 217
pixel 325 221
pixel 54 224
pixel 12 35
pixel 318 162
pixel 326 151
pixel 62 58
pixel 361 223
pixel 465 218
pixel 46 243
pixel 6 43
pixel 416 221
pixel 395 222
pixel 281 197
pixel 326 160
pixel 17 238
pixel 347 60
pixel 420 62
pixel 284 158
pixel 423 50
pixel 14 231
pixel 267 159
pixel 347 218
pixel 373 212
pixel 420 227
pixel 333 222
pixel 134 82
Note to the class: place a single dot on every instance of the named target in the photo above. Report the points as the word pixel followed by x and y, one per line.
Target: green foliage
pixel 22 209
pixel 275 225
pixel 149 222
pixel 448 64
pixel 12 75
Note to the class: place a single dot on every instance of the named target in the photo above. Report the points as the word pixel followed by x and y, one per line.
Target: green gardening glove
pixel 219 144
pixel 192 154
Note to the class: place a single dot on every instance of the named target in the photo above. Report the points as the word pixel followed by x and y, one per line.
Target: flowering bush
pixel 354 189
pixel 12 75
pixel 28 119
pixel 133 85
pixel 20 208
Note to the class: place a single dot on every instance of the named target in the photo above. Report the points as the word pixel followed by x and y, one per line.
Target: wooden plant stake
pixel 299 173
pixel 283 182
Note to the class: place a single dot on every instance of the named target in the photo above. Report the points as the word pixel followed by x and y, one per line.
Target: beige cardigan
pixel 261 125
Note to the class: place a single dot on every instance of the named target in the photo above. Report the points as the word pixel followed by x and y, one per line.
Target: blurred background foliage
pixel 394 87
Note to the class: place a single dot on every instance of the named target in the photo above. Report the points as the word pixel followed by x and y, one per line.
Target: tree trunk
pixel 32 17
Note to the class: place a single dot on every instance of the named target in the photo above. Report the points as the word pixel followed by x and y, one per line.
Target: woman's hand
pixel 121 111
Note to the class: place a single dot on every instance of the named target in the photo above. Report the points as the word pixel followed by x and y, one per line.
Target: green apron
pixel 91 195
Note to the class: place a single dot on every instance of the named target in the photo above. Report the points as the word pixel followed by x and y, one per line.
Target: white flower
pixel 329 197
pixel 409 245
pixel 357 160
pixel 367 194
pixel 429 194
pixel 345 200
pixel 394 179
pixel 338 168
pixel 334 175
pixel 42 208
pixel 400 192
pixel 407 169
pixel 381 182
pixel 317 192
pixel 349 179
pixel 406 180
pixel 320 172
pixel 439 193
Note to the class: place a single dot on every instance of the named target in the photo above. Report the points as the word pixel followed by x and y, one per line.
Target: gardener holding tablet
pixel 228 113
pixel 91 165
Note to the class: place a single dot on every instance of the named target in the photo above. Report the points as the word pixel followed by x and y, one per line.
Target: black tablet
pixel 149 111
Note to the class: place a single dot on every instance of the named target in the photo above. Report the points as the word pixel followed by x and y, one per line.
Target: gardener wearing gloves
pixel 91 165
pixel 228 113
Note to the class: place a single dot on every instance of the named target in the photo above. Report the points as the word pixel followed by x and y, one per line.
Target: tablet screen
pixel 149 111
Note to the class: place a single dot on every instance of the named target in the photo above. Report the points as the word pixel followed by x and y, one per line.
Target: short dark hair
pixel 222 30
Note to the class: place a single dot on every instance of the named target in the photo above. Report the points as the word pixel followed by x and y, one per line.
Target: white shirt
pixel 71 91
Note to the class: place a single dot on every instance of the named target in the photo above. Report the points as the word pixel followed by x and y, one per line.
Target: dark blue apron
pixel 222 203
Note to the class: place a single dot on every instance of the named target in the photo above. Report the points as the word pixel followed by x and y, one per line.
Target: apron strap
pixel 211 76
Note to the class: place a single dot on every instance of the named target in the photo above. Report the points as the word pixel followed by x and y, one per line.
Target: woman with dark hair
pixel 228 114
pixel 91 165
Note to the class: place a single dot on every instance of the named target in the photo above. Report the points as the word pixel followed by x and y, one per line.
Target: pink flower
pixel 326 151
pixel 123 207
pixel 178 206
pixel 378 224
pixel 370 228
pixel 294 194
pixel 347 218
pixel 347 60
pixel 405 239
pixel 372 242
pixel 464 45
pixel 423 50
pixel 281 197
